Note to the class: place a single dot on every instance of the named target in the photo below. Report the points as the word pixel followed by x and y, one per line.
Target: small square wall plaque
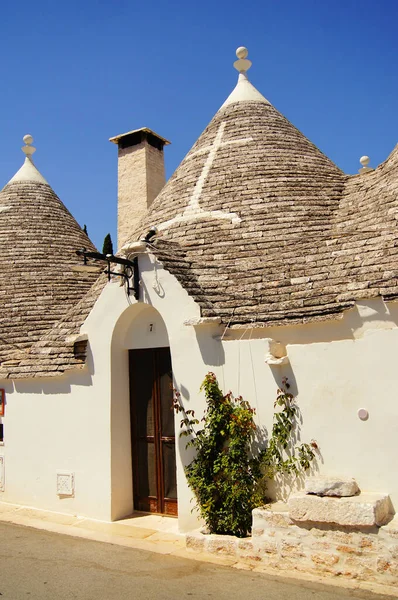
pixel 2 480
pixel 65 483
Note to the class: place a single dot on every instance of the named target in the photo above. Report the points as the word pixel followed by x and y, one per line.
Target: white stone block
pixel 276 353
pixel 275 515
pixel 331 486
pixel 195 541
pixel 365 510
pixel 196 321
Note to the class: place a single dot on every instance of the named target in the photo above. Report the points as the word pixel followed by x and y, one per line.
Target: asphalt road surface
pixel 39 565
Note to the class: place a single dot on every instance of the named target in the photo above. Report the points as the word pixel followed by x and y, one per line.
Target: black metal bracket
pixel 130 270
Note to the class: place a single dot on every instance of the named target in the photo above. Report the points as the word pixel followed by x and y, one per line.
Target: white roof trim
pixel 244 91
pixel 28 172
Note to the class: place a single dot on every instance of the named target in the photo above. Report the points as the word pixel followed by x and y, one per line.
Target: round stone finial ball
pixel 242 52
pixel 364 160
pixel 28 139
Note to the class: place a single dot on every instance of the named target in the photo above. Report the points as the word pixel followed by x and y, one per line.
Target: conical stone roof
pixel 249 161
pixel 40 275
pixel 259 227
pixel 245 217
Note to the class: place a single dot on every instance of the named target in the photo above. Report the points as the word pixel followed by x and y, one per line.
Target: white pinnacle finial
pixel 242 52
pixel 28 150
pixel 242 64
pixel 244 91
pixel 28 171
pixel 365 160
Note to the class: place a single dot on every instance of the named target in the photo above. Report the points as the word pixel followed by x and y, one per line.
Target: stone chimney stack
pixel 141 176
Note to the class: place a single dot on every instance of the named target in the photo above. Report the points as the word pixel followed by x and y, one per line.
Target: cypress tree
pixel 107 248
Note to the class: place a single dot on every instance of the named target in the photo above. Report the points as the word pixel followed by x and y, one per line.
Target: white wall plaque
pixel 2 480
pixel 65 483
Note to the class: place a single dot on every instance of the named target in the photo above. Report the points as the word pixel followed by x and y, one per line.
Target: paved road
pixel 39 565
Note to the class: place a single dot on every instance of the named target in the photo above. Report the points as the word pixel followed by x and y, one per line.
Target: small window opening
pixel 80 350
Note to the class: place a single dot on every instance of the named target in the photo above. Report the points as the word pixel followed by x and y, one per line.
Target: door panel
pixel 152 431
pixel 169 470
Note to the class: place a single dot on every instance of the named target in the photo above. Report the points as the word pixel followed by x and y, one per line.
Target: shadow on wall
pixel 373 314
pixel 157 286
pixel 284 484
pixel 284 372
pixel 210 345
pixel 260 440
pixel 186 453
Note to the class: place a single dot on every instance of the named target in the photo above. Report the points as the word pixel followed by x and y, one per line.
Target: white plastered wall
pixel 56 426
pixel 80 421
pixel 335 368
pixel 63 424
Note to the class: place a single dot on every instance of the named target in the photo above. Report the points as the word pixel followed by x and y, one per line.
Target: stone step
pixel 365 510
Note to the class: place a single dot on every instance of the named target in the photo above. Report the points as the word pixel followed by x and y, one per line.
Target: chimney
pixel 141 176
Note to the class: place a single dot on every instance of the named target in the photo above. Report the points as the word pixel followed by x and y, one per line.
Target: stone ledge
pixel 365 510
pixel 275 515
pixel 323 551
pixel 195 541
pixel 136 246
pixel 197 321
pixel 221 545
pixel 391 529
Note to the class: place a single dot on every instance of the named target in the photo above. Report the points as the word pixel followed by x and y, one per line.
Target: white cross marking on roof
pixel 193 209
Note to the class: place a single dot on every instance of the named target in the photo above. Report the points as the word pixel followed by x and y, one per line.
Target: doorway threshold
pixel 163 523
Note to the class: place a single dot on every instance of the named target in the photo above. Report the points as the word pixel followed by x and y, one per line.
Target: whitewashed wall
pixel 80 422
pixel 62 424
pixel 335 368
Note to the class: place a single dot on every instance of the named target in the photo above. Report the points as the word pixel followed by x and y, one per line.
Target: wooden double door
pixel 152 431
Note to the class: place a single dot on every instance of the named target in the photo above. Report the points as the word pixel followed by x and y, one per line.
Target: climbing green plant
pixel 281 455
pixel 225 476
pixel 222 475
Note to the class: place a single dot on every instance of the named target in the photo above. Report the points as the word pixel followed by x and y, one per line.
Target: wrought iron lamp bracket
pixel 129 272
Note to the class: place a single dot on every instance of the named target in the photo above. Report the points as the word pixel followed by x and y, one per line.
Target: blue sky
pixel 75 73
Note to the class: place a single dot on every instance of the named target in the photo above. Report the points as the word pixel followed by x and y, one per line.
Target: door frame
pixel 160 504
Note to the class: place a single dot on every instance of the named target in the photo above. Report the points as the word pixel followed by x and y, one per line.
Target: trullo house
pixel 259 259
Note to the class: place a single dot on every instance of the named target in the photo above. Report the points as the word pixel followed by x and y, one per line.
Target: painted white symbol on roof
pixel 193 210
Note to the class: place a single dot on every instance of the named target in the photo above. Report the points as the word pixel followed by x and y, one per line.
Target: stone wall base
pixel 360 555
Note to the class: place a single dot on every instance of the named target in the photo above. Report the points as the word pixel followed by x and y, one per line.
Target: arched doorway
pixel 152 430
pixel 142 418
